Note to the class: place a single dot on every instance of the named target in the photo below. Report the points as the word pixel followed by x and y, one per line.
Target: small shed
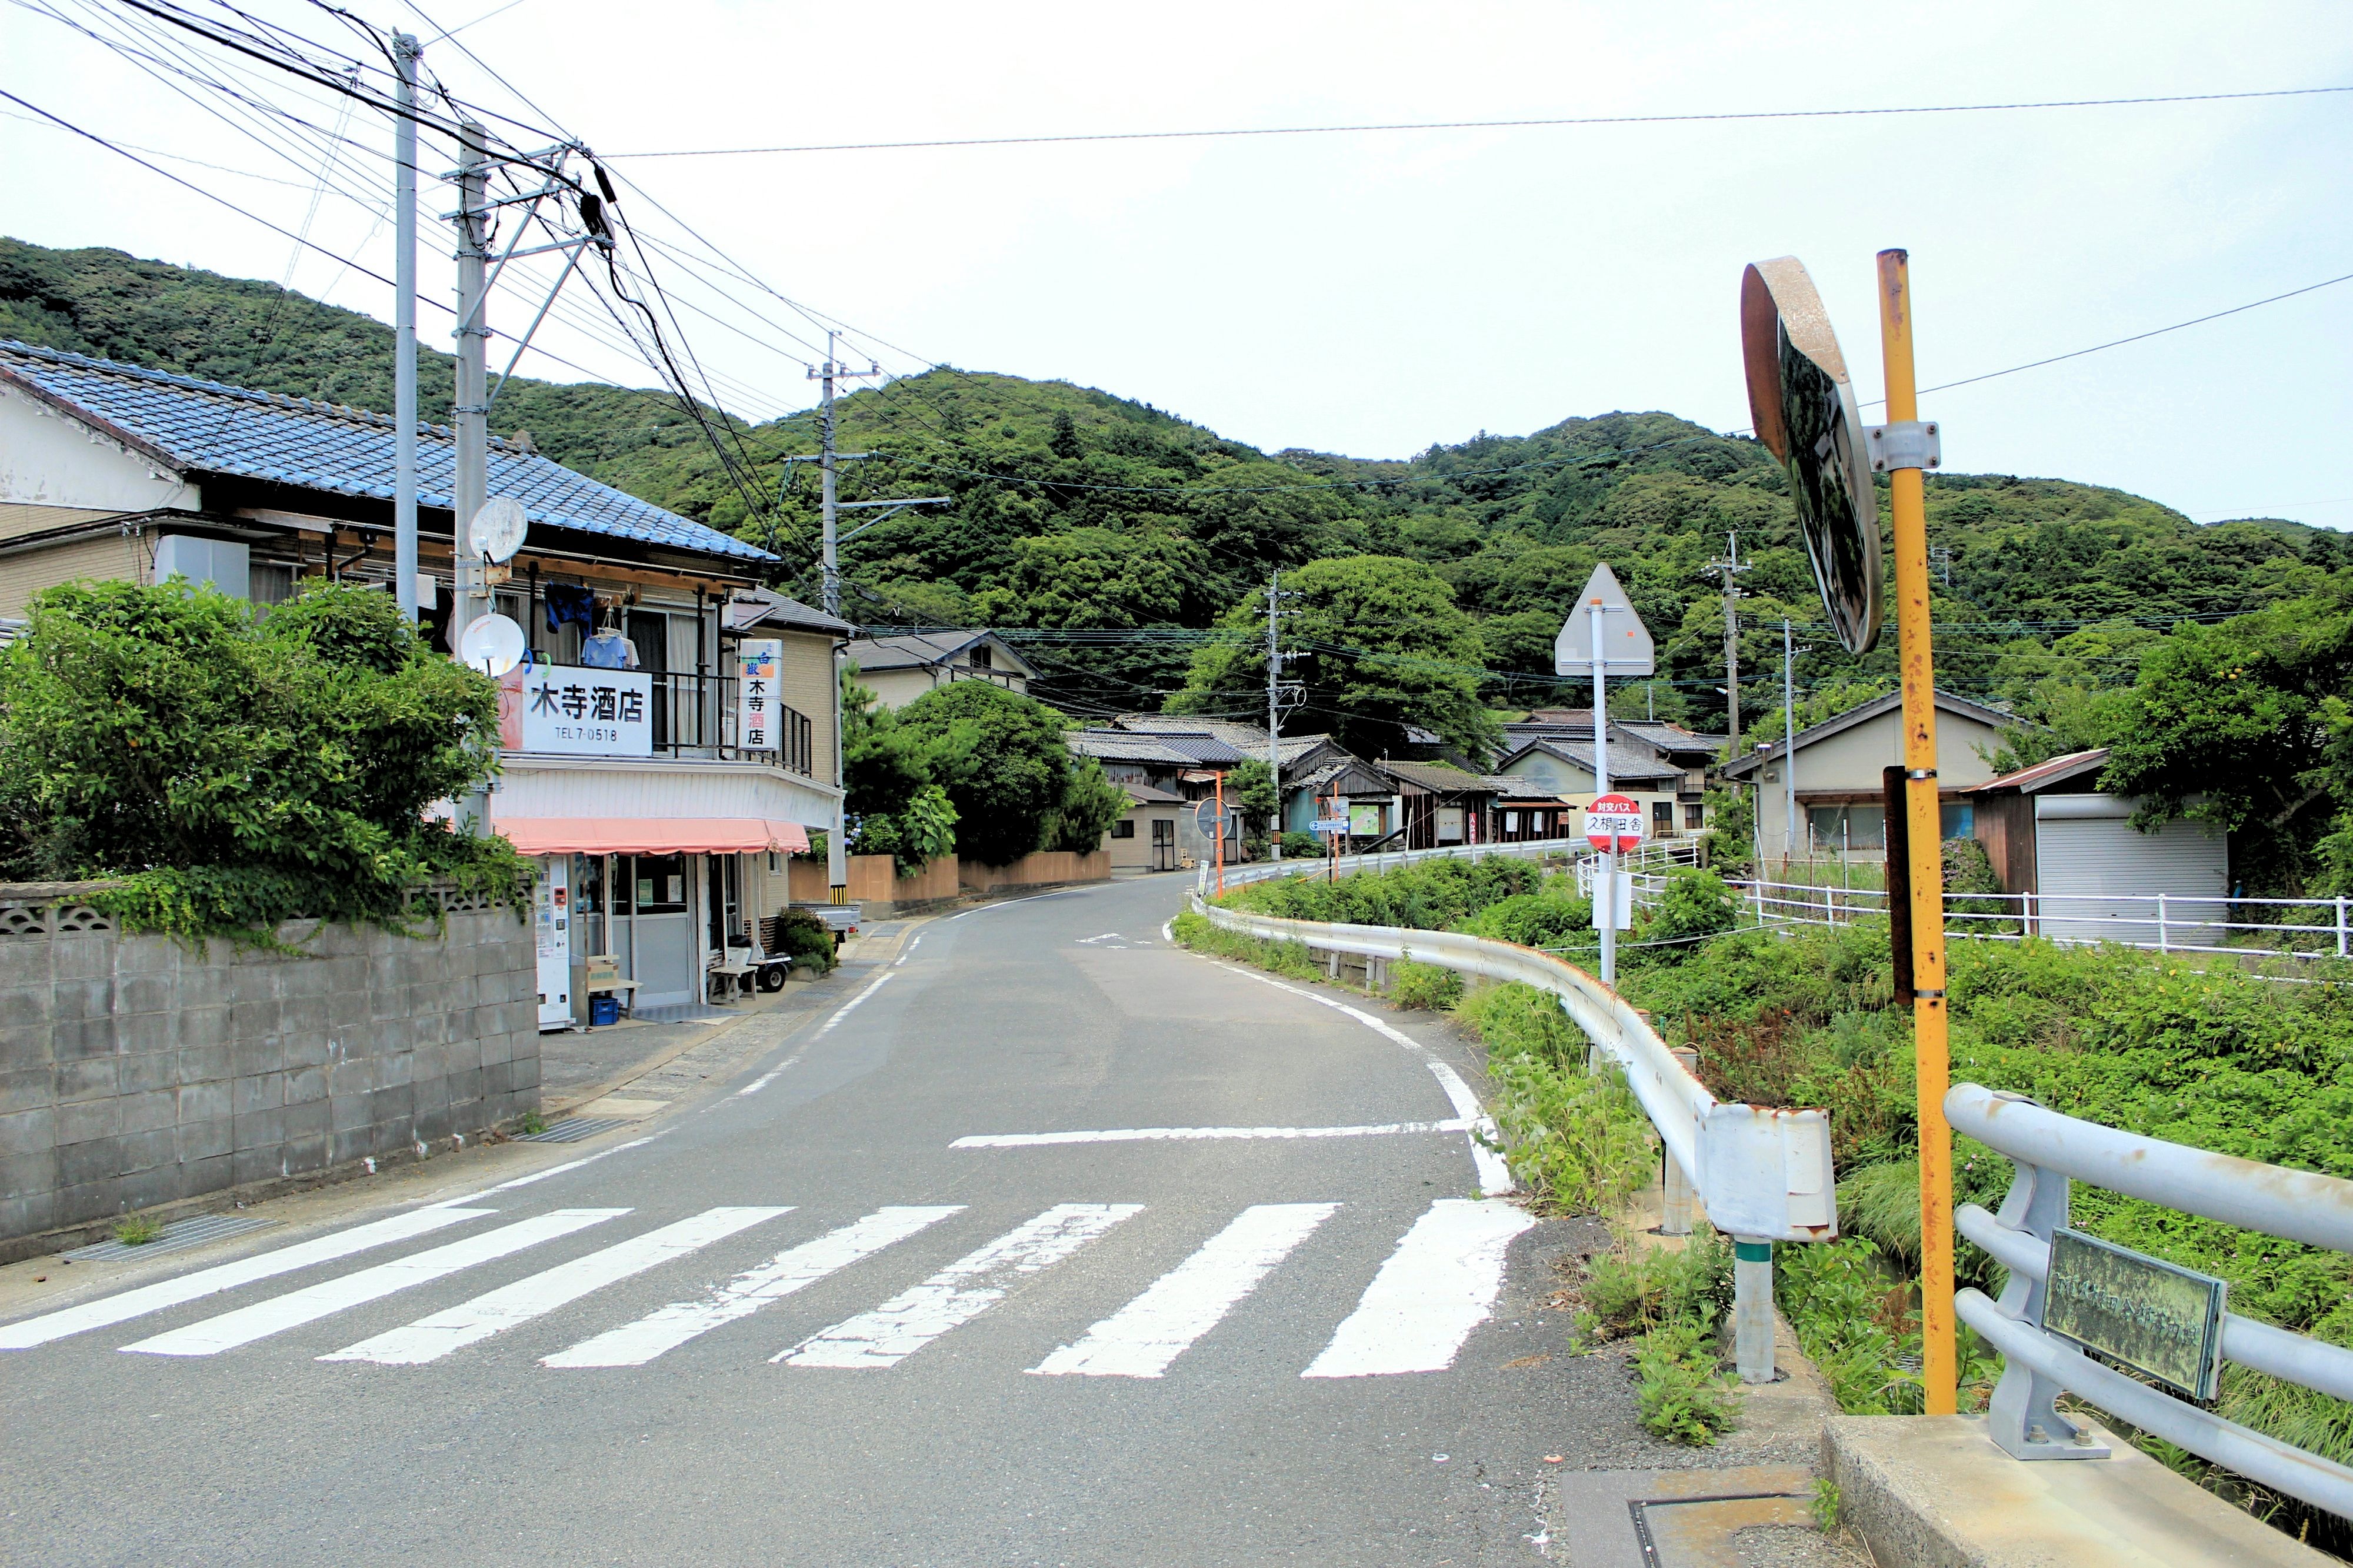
pixel 1145 838
pixel 2051 832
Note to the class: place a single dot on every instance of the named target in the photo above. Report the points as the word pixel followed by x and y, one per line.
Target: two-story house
pixel 657 801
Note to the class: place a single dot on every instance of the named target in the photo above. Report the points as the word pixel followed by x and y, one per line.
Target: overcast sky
pixel 1374 293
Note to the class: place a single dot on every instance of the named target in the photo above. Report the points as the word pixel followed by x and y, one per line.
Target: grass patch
pixel 136 1230
pixel 1671 1304
pixel 531 1124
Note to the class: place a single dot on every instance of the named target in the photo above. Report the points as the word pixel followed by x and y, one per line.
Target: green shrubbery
pixel 234 770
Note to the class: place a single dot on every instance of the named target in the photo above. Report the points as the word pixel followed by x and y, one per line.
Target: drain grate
pixel 180 1233
pixel 573 1129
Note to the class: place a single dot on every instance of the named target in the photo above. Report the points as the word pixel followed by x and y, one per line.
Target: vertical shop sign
pixel 756 708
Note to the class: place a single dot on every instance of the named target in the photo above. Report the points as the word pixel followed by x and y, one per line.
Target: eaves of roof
pixel 190 425
pixel 2043 775
pixel 1861 714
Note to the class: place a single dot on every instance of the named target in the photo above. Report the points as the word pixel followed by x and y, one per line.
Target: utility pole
pixel 1274 659
pixel 1788 747
pixel 1731 565
pixel 836 852
pixel 404 53
pixel 471 416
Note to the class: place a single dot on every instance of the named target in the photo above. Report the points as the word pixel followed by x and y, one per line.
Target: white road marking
pixel 634 1344
pixel 430 1339
pixel 291 1310
pixel 1494 1173
pixel 551 1171
pixel 958 1294
pixel 851 1005
pixel 110 1309
pixel 910 950
pixel 1183 1134
pixel 1142 1338
pixel 1168 930
pixel 1437 1286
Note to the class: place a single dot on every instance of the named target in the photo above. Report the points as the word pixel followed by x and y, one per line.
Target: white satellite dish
pixel 497 530
pixel 491 644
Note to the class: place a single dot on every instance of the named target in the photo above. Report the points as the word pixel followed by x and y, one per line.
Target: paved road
pixel 845 1308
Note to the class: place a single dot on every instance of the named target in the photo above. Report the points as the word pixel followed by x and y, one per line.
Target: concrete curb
pixel 1933 1491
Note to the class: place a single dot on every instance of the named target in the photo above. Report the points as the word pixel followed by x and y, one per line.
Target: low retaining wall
pixel 136 1072
pixel 874 883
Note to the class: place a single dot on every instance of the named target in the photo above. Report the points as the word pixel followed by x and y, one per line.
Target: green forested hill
pixel 1110 536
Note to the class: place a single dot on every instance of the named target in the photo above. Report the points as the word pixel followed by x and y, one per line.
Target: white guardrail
pixel 2051 1150
pixel 1763 1175
pixel 2164 922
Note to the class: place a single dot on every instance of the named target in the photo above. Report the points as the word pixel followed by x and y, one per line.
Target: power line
pixel 1589 120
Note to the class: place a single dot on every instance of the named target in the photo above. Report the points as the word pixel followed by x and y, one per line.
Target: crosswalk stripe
pixel 1142 1338
pixel 280 1313
pixel 1437 1286
pixel 634 1344
pixel 109 1309
pixel 958 1294
pixel 430 1339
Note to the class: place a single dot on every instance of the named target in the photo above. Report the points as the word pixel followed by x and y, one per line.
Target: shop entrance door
pixel 662 932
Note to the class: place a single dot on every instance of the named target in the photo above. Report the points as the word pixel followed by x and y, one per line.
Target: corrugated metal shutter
pixel 2085 858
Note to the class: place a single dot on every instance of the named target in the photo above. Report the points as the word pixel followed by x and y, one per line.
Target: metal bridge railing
pixel 2051 1150
pixel 1762 1174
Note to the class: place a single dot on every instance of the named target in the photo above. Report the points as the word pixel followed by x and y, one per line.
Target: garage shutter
pixel 2098 878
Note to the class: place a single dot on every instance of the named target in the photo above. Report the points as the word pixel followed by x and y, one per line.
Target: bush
pixel 239 770
pixel 1301 847
pixel 1693 906
pixel 1578 1142
pixel 1424 987
pixel 806 937
pixel 1554 917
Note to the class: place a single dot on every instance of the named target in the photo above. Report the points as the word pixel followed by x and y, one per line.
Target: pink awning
pixel 650 834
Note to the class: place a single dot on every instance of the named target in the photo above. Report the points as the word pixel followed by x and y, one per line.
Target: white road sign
pixel 1625 640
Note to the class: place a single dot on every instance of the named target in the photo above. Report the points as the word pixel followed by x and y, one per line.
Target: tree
pixel 1250 789
pixel 1000 756
pixel 1090 803
pixel 1387 648
pixel 250 770
pixel 2247 725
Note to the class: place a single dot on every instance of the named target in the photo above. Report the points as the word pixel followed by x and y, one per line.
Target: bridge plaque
pixel 2142 1312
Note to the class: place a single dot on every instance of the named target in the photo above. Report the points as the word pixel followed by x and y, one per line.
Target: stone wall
pixel 136 1072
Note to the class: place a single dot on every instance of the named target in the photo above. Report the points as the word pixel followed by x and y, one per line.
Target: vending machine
pixel 552 917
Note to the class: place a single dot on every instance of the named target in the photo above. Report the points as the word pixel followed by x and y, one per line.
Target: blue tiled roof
pixel 205 426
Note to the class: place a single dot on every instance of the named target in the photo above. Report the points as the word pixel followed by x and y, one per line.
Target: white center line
pixel 851 1005
pixel 1437 1286
pixel 1183 1134
pixel 634 1344
pixel 958 1294
pixel 110 1309
pixel 430 1339
pixel 1142 1338
pixel 774 1073
pixel 291 1310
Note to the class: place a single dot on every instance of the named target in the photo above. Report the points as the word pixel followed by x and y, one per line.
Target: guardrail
pixel 2051 1150
pixel 2163 922
pixel 1668 852
pixel 1763 1175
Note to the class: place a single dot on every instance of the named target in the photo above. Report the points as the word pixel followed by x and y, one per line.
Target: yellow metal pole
pixel 1939 1372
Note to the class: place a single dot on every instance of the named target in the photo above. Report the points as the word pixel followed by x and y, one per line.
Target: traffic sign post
pixel 1605 635
pixel 1804 414
pixel 1614 822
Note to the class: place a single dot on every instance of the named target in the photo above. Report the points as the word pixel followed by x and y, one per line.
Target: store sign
pixel 756 707
pixel 576 712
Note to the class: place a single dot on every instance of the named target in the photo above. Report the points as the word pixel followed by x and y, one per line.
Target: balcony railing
pixel 690 716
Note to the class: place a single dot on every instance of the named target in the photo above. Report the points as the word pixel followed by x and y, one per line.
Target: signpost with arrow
pixel 1603 636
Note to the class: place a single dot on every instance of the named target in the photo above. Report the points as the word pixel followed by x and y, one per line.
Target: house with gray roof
pixel 669 738
pixel 901 666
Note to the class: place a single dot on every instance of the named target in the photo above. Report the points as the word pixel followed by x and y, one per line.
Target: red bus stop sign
pixel 1614 822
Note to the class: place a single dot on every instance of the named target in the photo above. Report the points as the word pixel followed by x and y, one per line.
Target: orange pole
pixel 1939 1370
pixel 1221 835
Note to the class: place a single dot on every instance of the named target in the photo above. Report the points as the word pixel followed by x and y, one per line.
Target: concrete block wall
pixel 136 1071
